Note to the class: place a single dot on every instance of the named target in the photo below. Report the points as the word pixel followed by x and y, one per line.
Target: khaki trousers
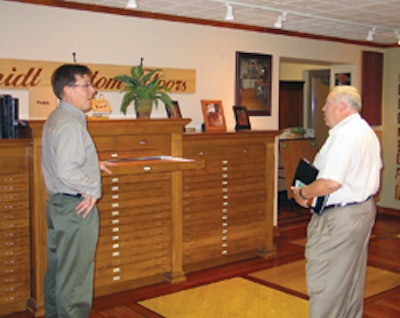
pixel 71 246
pixel 336 255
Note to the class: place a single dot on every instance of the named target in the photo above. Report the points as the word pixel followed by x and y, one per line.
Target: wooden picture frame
pixel 241 117
pixel 253 82
pixel 342 79
pixel 173 112
pixel 213 113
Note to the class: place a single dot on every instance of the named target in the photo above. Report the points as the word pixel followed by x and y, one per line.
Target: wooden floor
pixel 384 253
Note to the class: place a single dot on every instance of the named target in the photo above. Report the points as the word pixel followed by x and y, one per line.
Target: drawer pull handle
pixel 202 153
pixel 114 155
pixel 147 168
pixel 143 142
pixel 245 150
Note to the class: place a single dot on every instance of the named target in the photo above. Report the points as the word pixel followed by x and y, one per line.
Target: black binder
pixel 305 174
pixel 9 113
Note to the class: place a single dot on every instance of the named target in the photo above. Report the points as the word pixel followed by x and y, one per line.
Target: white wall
pixel 52 34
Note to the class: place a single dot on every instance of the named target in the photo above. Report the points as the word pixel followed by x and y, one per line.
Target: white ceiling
pixel 345 19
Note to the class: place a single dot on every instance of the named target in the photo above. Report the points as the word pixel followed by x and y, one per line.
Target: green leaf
pixel 143 85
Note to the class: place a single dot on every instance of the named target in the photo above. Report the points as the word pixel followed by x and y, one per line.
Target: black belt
pixel 77 195
pixel 342 205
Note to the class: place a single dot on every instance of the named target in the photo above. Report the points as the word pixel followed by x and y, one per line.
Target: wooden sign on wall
pixel 35 77
pixel 27 74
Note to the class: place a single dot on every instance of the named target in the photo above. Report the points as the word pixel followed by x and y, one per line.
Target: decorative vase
pixel 143 107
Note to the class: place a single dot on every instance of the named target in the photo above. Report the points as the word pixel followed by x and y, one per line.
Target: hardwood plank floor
pixel 384 254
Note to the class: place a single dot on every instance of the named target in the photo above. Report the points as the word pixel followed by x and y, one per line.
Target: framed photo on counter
pixel 213 113
pixel 173 112
pixel 242 118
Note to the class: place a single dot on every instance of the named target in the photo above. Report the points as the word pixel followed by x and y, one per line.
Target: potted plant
pixel 144 90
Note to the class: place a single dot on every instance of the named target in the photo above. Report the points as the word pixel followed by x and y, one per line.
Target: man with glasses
pixel 71 171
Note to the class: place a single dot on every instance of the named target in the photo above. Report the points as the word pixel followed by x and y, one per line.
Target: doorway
pixel 318 88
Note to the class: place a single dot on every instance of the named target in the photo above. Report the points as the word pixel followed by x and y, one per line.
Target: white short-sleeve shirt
pixel 351 156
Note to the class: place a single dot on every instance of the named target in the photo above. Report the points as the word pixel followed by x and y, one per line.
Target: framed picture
pixel 242 118
pixel 173 112
pixel 253 83
pixel 342 79
pixel 213 113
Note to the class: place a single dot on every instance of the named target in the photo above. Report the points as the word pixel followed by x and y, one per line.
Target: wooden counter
pixel 150 211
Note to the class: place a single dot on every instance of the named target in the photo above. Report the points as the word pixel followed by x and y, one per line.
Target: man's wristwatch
pixel 301 195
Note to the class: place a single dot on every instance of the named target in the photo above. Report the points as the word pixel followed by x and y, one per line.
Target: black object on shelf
pixel 10 125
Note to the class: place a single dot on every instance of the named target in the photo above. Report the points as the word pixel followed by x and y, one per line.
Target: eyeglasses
pixel 86 85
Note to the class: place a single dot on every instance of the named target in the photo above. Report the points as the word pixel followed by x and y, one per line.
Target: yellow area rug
pixel 236 297
pixel 292 276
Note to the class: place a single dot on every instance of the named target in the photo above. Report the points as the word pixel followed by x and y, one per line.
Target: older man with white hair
pixel 349 165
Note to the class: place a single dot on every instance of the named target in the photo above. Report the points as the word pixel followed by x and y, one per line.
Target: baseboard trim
pixel 389 211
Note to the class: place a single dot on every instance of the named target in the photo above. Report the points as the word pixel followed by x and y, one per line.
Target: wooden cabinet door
pixel 371 92
pixel 290 104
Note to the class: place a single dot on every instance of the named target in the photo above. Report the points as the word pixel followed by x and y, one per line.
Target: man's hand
pixel 85 206
pixel 104 166
pixel 300 201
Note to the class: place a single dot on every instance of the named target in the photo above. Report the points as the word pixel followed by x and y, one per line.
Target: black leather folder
pixel 305 174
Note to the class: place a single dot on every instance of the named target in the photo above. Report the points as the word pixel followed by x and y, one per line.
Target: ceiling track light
pixel 229 13
pixel 371 34
pixel 279 21
pixel 131 4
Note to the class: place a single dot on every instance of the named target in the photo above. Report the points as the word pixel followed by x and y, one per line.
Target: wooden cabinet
pixel 228 206
pixel 15 269
pixel 140 210
pixel 162 215
pixel 291 151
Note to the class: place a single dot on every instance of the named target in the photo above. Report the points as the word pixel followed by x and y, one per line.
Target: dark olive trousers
pixel 71 246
